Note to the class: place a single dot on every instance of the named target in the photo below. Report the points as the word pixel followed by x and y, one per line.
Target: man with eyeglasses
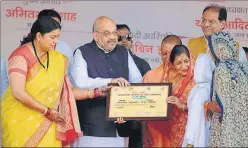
pixel 214 19
pixel 97 64
pixel 125 40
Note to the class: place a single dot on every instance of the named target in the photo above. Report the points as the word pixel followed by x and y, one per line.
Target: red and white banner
pixel 150 21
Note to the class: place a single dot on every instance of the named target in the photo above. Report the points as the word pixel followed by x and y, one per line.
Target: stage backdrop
pixel 149 21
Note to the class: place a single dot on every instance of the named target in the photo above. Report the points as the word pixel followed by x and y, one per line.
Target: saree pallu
pixel 169 133
pixel 22 126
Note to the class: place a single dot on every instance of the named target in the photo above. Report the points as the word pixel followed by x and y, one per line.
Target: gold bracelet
pixel 90 94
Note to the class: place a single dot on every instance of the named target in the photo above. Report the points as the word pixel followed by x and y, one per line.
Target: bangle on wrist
pixel 90 93
pixel 48 111
pixel 44 113
pixel 96 94
pixel 206 104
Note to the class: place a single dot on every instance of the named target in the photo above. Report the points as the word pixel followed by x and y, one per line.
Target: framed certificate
pixel 140 101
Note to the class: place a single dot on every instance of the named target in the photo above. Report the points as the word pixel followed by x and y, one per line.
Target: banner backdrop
pixel 150 21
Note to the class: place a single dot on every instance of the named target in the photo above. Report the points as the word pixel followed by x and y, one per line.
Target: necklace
pixel 39 58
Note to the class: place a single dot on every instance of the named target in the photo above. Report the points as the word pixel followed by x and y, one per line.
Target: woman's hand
pixel 120 121
pixel 210 107
pixel 101 92
pixel 54 115
pixel 174 100
pixel 206 111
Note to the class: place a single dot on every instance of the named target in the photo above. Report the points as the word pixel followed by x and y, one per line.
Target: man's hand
pixel 121 82
pixel 120 120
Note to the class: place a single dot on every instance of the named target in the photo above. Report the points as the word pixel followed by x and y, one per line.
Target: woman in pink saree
pixel 178 69
pixel 38 108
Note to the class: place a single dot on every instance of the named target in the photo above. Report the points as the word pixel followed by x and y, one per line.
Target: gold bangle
pixel 90 94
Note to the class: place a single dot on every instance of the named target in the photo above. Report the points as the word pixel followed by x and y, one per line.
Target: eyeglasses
pixel 107 33
pixel 121 37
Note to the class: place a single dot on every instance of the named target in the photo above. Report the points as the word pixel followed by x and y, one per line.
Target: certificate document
pixel 140 101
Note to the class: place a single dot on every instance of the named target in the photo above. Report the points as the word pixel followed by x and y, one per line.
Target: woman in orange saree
pixel 38 108
pixel 178 69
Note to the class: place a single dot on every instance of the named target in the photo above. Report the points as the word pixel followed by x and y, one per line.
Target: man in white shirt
pixel 97 64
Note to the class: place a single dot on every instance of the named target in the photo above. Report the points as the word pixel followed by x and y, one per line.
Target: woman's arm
pixel 80 94
pixel 17 76
pixel 182 101
pixel 18 67
pixel 177 102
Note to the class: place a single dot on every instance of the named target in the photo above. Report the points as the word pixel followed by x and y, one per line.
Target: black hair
pixel 49 12
pixel 245 49
pixel 177 51
pixel 221 9
pixel 122 26
pixel 43 25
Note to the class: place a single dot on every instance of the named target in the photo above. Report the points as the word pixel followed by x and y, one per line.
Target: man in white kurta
pixel 91 62
pixel 197 129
